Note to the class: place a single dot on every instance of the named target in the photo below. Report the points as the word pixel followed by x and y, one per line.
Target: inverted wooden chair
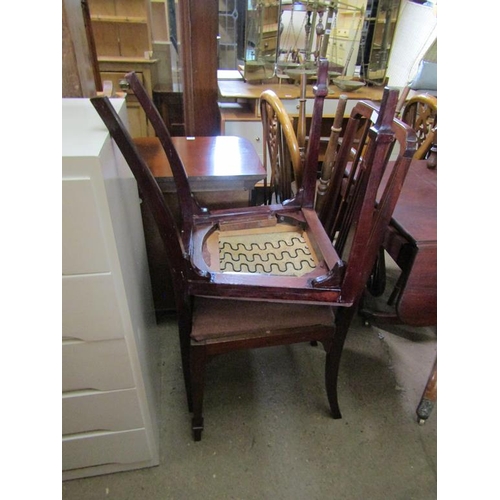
pixel 218 270
pixel 287 304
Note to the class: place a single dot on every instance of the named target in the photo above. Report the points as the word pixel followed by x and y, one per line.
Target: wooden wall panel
pixel 78 78
pixel 199 23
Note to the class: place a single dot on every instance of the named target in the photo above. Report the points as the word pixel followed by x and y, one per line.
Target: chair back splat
pixel 281 147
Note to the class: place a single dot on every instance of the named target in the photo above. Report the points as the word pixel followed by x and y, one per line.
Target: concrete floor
pixel 268 433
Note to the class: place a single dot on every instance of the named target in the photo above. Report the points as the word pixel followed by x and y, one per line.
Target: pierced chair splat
pixel 420 112
pixel 293 307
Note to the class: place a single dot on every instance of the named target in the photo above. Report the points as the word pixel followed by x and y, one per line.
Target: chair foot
pixel 197 427
pixel 424 410
pixel 335 413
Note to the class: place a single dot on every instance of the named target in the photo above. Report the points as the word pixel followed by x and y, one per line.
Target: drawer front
pixel 90 309
pixel 101 411
pixel 107 448
pixel 100 366
pixel 83 248
pixel 329 109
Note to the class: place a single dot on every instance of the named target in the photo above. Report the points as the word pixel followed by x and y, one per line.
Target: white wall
pixel 416 31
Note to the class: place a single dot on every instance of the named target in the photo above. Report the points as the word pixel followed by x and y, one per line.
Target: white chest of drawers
pixel 110 374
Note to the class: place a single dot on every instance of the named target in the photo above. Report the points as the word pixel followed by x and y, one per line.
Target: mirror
pixel 284 38
pixel 381 19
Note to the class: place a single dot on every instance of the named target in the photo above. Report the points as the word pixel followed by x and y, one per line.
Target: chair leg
pixel 198 366
pixel 377 281
pixel 184 324
pixel 343 318
pixel 184 343
pixel 331 376
pixel 429 397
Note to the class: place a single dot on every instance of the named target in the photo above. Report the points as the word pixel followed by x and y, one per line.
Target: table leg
pixel 429 397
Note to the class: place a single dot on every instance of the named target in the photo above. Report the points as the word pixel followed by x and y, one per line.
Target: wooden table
pixel 219 163
pixel 222 172
pixel 411 240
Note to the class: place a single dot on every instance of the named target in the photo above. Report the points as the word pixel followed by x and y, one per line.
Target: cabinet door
pixel 251 130
pixel 137 119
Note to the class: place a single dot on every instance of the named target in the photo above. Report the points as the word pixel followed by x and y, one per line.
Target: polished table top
pixel 211 163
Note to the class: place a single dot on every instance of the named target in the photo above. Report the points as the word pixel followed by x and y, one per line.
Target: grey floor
pixel 268 433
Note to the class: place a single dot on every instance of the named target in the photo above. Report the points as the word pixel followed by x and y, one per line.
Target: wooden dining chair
pixel 281 149
pixel 221 308
pixel 283 146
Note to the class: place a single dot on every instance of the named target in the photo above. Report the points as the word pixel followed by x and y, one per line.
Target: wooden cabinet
pixel 240 106
pixel 122 28
pixel 110 374
pixel 122 31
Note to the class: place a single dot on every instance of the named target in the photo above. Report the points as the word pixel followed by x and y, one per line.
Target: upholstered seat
pixel 219 319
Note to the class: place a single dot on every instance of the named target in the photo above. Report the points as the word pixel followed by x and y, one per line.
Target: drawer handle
pixel 257 139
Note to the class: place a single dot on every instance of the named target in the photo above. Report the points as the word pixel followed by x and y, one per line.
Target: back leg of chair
pixel 184 322
pixel 198 361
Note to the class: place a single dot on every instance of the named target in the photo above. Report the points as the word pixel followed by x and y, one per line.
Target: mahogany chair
pixel 223 310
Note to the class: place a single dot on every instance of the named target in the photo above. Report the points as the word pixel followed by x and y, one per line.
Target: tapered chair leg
pixel 186 370
pixel 184 325
pixel 331 375
pixel 198 366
